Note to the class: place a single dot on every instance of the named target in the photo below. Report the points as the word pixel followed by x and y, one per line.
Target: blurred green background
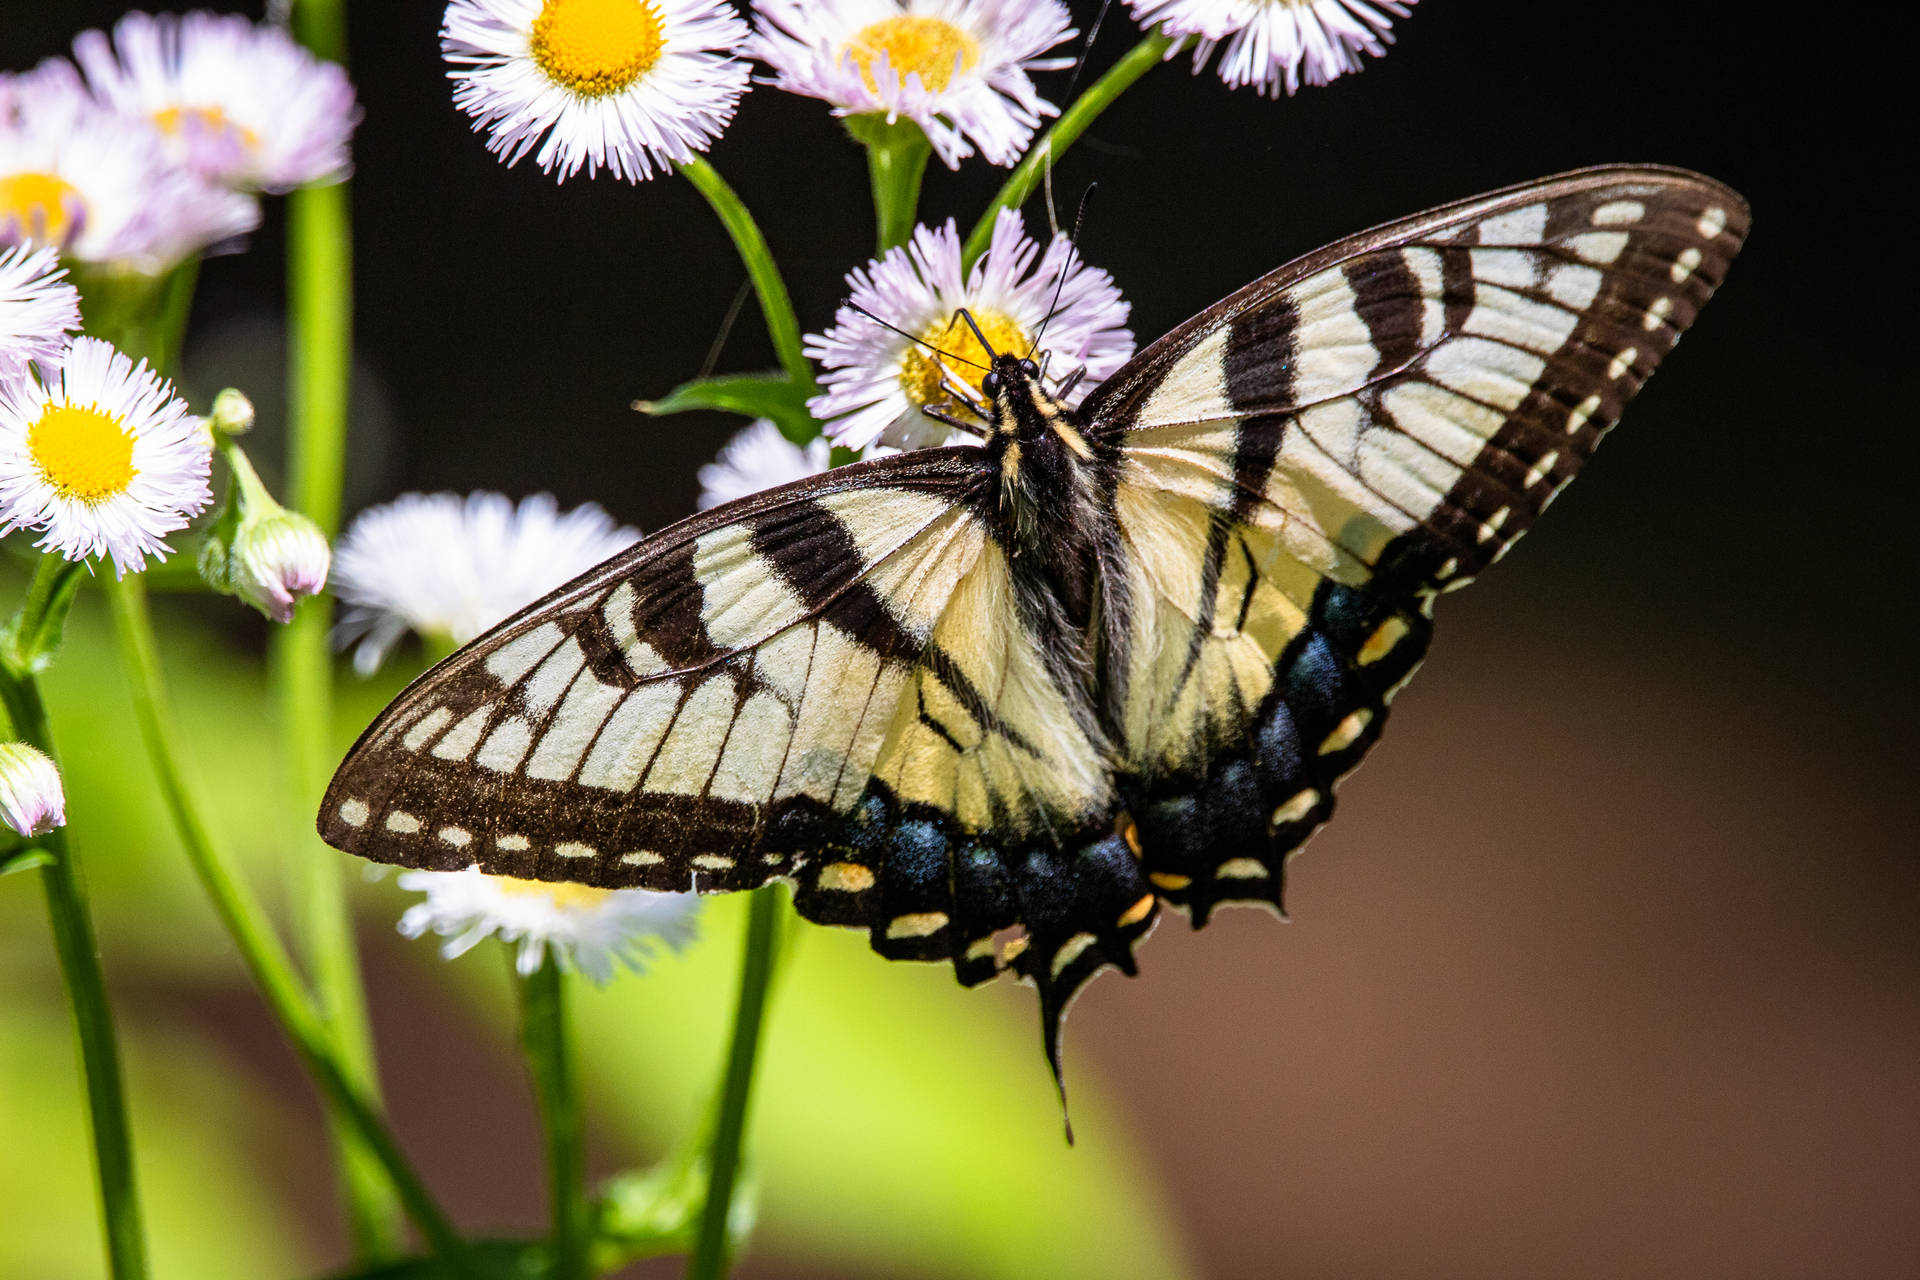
pixel 1610 967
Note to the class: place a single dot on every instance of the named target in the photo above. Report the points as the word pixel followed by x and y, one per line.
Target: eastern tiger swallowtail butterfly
pixel 998 705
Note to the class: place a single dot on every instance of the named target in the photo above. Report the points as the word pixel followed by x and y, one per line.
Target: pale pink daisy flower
pixel 587 930
pixel 97 187
pixel 627 85
pixel 239 102
pixel 38 309
pixel 759 457
pixel 101 457
pixel 877 381
pixel 960 69
pixel 1277 44
pixel 450 567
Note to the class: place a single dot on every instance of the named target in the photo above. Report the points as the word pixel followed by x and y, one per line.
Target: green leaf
pixel 23 860
pixel 752 395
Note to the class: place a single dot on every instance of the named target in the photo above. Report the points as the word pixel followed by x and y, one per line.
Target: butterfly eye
pixel 1029 368
pixel 990 385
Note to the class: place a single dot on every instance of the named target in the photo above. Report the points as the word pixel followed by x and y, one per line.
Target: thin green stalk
pixel 547 1038
pixel 1031 171
pixel 768 287
pixel 320 355
pixel 79 952
pixel 246 923
pixel 710 1259
pixel 29 641
pixel 897 154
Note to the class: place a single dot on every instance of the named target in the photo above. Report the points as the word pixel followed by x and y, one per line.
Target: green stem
pixel 896 161
pixel 320 356
pixel 1031 171
pixel 34 634
pixel 79 953
pixel 246 923
pixel 768 287
pixel 710 1253
pixel 548 1041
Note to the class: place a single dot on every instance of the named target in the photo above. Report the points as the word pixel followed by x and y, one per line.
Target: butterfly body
pixel 1001 704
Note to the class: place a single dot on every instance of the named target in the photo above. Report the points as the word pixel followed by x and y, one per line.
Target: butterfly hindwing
pixel 1305 464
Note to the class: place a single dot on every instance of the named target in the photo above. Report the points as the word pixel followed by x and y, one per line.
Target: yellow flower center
pixel 40 204
pixel 597 47
pixel 571 897
pixel 175 120
pixel 932 48
pixel 82 451
pixel 920 373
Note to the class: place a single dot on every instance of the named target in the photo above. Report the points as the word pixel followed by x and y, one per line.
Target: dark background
pixel 1610 966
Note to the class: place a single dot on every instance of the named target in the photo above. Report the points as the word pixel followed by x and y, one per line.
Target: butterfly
pixel 1000 705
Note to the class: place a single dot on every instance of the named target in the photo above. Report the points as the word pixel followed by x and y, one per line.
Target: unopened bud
pixel 32 801
pixel 278 560
pixel 258 550
pixel 232 413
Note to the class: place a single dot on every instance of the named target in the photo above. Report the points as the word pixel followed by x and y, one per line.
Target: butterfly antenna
pixel 948 355
pixel 1073 247
pixel 985 346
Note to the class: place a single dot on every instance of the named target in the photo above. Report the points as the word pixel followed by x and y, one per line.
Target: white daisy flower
pixel 32 801
pixel 239 102
pixel 1275 44
pixel 54 85
pixel 588 930
pixel 877 381
pixel 98 187
pixel 102 457
pixel 759 457
pixel 957 68
pixel 451 567
pixel 38 309
pixel 631 85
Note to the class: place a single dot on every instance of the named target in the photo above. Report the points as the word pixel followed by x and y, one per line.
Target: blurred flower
pixel 628 84
pixel 1271 44
pixel 258 550
pixel 101 456
pixel 53 86
pixel 451 567
pixel 38 309
pixel 98 188
pixel 589 930
pixel 877 381
pixel 32 800
pixel 237 101
pixel 759 457
pixel 957 68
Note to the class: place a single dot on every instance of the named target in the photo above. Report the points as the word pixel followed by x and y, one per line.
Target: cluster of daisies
pixel 147 149
pixel 637 86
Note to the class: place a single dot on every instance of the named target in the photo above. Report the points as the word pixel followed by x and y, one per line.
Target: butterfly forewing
pixel 1307 463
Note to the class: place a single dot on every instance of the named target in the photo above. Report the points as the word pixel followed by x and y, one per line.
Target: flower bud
pixel 232 413
pixel 32 801
pixel 277 560
pixel 258 550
